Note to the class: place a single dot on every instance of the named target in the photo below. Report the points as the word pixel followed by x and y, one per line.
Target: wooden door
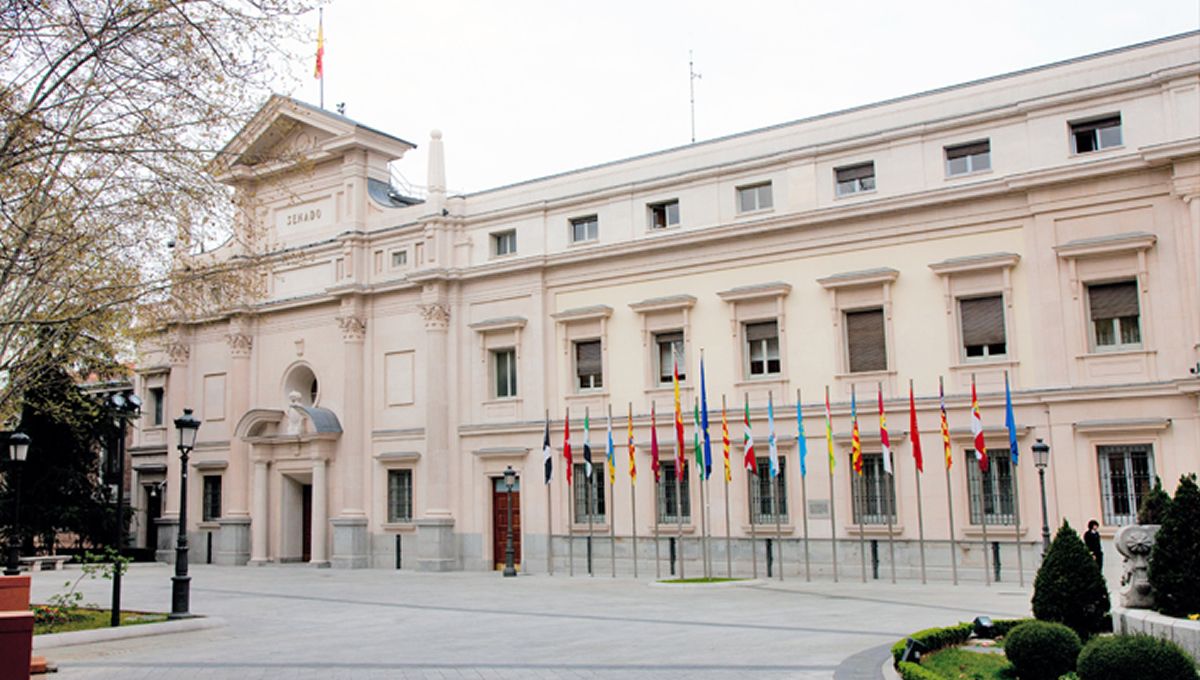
pixel 306 523
pixel 500 522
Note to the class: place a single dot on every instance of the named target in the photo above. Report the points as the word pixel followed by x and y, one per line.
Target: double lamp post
pixel 18 447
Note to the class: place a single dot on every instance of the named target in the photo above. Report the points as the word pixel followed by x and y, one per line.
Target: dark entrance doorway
pixel 500 521
pixel 306 522
pixel 153 513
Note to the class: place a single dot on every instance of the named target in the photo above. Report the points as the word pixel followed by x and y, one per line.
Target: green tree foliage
pixel 1154 505
pixel 1134 657
pixel 1069 588
pixel 1175 560
pixel 1041 650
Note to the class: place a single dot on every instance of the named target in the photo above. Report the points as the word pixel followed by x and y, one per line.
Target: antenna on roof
pixel 341 108
pixel 692 76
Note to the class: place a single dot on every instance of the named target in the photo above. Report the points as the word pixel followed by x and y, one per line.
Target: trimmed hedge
pixel 949 636
pixel 1040 650
pixel 1134 657
pixel 911 671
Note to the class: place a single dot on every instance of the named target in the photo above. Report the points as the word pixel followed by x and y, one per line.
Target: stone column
pixel 233 538
pixel 179 352
pixel 350 527
pixel 320 514
pixel 436 548
pixel 258 533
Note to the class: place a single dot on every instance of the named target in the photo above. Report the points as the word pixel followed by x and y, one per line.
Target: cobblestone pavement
pixel 298 622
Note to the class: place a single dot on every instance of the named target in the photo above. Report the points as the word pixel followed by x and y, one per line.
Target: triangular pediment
pixel 286 132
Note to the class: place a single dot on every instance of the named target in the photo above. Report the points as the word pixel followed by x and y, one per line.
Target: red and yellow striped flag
pixel 945 426
pixel 855 441
pixel 632 463
pixel 725 441
pixel 319 71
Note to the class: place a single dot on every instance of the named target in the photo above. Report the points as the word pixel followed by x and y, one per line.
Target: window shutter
pixel 761 331
pixel 587 358
pixel 1113 300
pixel 971 149
pixel 865 340
pixel 982 320
pixel 856 172
pixel 1088 126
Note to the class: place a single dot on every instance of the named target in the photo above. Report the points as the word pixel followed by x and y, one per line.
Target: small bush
pixel 1175 560
pixel 1154 505
pixel 911 671
pixel 1134 657
pixel 1040 650
pixel 1069 588
pixel 934 639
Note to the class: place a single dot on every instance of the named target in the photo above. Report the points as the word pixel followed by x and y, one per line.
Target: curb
pixel 87 637
pixel 721 584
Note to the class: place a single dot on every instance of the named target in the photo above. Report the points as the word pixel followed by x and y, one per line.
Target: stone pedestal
pixel 436 548
pixel 349 542
pixel 168 532
pixel 233 541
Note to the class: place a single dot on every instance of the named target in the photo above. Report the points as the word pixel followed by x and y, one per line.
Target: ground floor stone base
pixel 1182 632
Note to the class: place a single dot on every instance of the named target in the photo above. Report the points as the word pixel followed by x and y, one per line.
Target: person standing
pixel 1091 538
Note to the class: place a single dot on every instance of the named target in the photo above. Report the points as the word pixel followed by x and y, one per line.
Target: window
pixel 1096 134
pixel 156 404
pixel 761 510
pixel 399 496
pixel 211 510
pixel 580 491
pixel 866 344
pixel 668 503
pixel 670 349
pixel 997 487
pixel 589 365
pixel 964 159
pixel 982 322
pixel 504 243
pixel 663 215
pixel 756 197
pixel 1113 308
pixel 585 229
pixel 1125 475
pixel 855 178
pixel 504 362
pixel 762 348
pixel 399 258
pixel 872 495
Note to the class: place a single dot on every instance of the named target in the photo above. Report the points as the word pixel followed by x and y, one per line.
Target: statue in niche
pixel 1135 542
pixel 295 419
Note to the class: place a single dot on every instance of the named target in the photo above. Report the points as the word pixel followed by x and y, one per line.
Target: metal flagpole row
pixel 832 503
pixel 611 510
pixel 802 451
pixel 549 464
pixel 570 493
pixel 727 463
pixel 633 490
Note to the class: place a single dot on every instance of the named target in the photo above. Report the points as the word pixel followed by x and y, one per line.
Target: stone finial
pixel 436 175
pixel 1135 542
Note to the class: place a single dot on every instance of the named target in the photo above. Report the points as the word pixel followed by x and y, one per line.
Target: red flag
pixel 977 430
pixel 319 71
pixel 654 447
pixel 914 433
pixel 567 445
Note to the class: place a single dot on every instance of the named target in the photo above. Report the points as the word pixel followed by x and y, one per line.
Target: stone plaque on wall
pixel 818 509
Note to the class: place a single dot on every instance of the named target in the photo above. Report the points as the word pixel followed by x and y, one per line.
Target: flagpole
pixel 776 475
pixel 1017 530
pixel 633 491
pixel 703 503
pixel 862 489
pixel 950 515
pixel 921 528
pixel 920 465
pixel 832 505
pixel 549 513
pixel 890 490
pixel 587 486
pixel 612 496
pixel 1014 456
pixel 948 455
pixel 570 500
pixel 987 573
pixel 658 492
pixel 725 444
pixel 803 493
pixel 679 463
pixel 321 47
pixel 754 472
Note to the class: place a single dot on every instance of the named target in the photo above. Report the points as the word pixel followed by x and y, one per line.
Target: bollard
pixel 996 560
pixel 671 546
pixel 770 557
pixel 875 559
pixel 399 545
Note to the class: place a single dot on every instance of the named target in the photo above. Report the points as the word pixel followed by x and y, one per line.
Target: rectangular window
pixel 211 509
pixel 756 197
pixel 997 487
pixel 1096 134
pixel 762 348
pixel 668 500
pixel 762 507
pixel 664 215
pixel 670 350
pixel 866 342
pixel 584 229
pixel 855 179
pixel 963 159
pixel 504 242
pixel 399 497
pixel 982 322
pixel 156 404
pixel 1126 473
pixel 873 494
pixel 580 490
pixel 399 259
pixel 1113 308
pixel 589 365
pixel 504 363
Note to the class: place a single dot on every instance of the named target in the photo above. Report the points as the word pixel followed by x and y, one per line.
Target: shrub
pixel 1040 650
pixel 911 671
pixel 934 639
pixel 1069 588
pixel 1175 560
pixel 1134 657
pixel 1154 505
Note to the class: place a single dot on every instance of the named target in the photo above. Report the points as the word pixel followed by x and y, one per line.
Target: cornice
pixel 1122 425
pixel 1105 245
pixel 503 323
pixel 663 304
pixel 864 277
pixel 583 313
pixel 762 291
pixel 958 265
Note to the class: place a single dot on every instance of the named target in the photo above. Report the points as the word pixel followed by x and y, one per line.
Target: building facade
pixel 1043 225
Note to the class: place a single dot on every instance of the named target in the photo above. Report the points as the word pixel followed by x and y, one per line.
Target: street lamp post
pixel 18 446
pixel 186 425
pixel 1041 458
pixel 124 407
pixel 510 477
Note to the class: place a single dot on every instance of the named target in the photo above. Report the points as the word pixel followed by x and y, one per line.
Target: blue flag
pixel 704 421
pixel 1010 421
pixel 772 447
pixel 801 442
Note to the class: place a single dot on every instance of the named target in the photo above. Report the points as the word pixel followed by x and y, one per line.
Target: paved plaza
pixel 299 622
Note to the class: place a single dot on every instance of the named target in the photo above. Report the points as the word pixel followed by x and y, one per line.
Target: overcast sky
pixel 525 88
